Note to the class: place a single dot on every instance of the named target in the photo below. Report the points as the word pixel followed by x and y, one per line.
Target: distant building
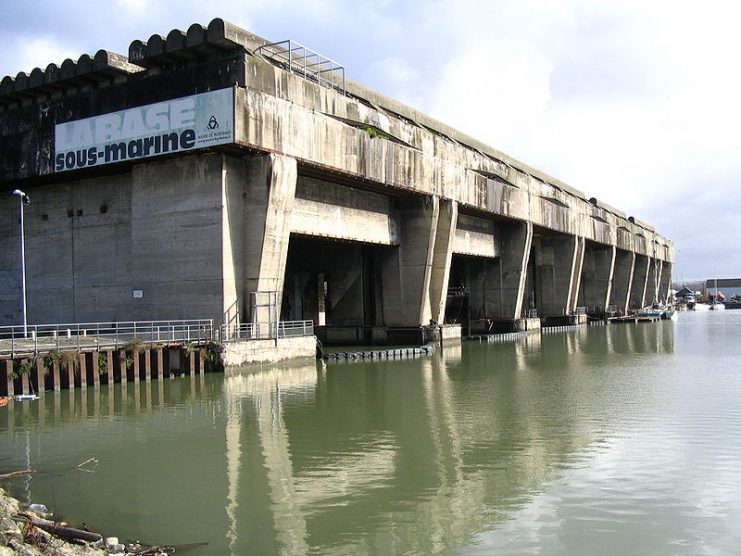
pixel 727 286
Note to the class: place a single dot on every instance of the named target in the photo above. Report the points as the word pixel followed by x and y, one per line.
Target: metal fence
pixel 100 335
pixel 266 331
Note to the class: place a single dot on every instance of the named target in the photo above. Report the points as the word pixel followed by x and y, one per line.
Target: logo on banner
pixel 165 127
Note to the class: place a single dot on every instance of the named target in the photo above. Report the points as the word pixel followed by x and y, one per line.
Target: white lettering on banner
pixel 197 121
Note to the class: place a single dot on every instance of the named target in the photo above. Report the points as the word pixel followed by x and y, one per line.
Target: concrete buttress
pixel 408 271
pixel 665 282
pixel 442 256
pixel 559 270
pixel 640 279
pixel 270 192
pixel 516 245
pixel 597 276
pixel 622 279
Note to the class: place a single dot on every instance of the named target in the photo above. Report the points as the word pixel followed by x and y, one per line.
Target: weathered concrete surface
pixel 640 281
pixel 558 269
pixel 442 255
pixel 271 189
pixel 197 234
pixel 252 352
pixel 622 279
pixel 419 222
pixel 597 277
pixel 476 236
pixel 516 248
pixel 325 209
pixel 176 238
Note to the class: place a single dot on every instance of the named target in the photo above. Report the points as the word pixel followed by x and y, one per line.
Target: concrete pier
pixel 272 196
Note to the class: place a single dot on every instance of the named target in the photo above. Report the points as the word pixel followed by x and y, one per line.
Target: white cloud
pixel 630 101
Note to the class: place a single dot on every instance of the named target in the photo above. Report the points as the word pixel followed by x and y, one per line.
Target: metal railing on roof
pixel 306 62
pixel 42 338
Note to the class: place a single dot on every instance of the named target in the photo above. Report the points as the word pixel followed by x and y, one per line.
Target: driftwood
pixel 138 549
pixel 61 531
pixel 16 473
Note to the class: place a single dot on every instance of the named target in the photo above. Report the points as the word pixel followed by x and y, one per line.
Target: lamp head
pixel 25 199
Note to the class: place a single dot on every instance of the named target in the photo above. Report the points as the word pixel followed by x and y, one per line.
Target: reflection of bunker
pixel 347 207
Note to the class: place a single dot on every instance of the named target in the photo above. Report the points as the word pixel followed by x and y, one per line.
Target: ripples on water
pixel 613 440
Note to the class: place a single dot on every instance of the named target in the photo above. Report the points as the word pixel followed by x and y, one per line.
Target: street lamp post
pixel 24 200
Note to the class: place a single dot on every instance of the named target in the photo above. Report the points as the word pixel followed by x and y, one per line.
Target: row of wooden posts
pixel 66 370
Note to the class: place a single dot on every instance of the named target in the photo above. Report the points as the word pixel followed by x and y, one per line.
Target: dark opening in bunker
pixel 335 284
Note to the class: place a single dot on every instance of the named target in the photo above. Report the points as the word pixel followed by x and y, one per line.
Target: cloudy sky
pixel 634 102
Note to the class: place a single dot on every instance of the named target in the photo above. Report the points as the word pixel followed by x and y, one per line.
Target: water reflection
pixel 417 456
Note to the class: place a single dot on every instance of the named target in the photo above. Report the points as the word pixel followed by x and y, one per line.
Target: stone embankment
pixel 19 536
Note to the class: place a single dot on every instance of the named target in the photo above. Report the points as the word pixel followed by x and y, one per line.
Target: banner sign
pixel 178 125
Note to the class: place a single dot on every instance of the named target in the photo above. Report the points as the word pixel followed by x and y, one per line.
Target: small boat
pixel 701 307
pixel 717 306
pixel 26 398
pixel 669 313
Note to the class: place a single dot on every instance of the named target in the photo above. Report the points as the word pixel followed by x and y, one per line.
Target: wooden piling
pixel 122 365
pixel 24 383
pixel 147 365
pixel 96 369
pixel 40 375
pixel 160 364
pixel 9 374
pixel 109 362
pixel 135 356
pixel 70 375
pixel 192 361
pixel 82 357
pixel 56 378
pixel 201 361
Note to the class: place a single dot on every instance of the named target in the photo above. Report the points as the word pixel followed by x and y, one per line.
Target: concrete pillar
pixel 597 277
pixel 576 274
pixel 201 361
pixel 559 267
pixel 192 362
pixel 415 277
pixel 665 283
pixel 270 191
pixel 517 241
pixel 622 279
pixel 640 279
pixel 442 256
pixel 654 278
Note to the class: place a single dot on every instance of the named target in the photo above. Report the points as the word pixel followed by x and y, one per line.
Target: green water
pixel 622 439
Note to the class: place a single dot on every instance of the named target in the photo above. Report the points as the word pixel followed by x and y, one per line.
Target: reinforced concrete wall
pixel 193 234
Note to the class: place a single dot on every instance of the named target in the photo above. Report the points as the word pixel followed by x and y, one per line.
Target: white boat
pixel 701 307
pixel 717 307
